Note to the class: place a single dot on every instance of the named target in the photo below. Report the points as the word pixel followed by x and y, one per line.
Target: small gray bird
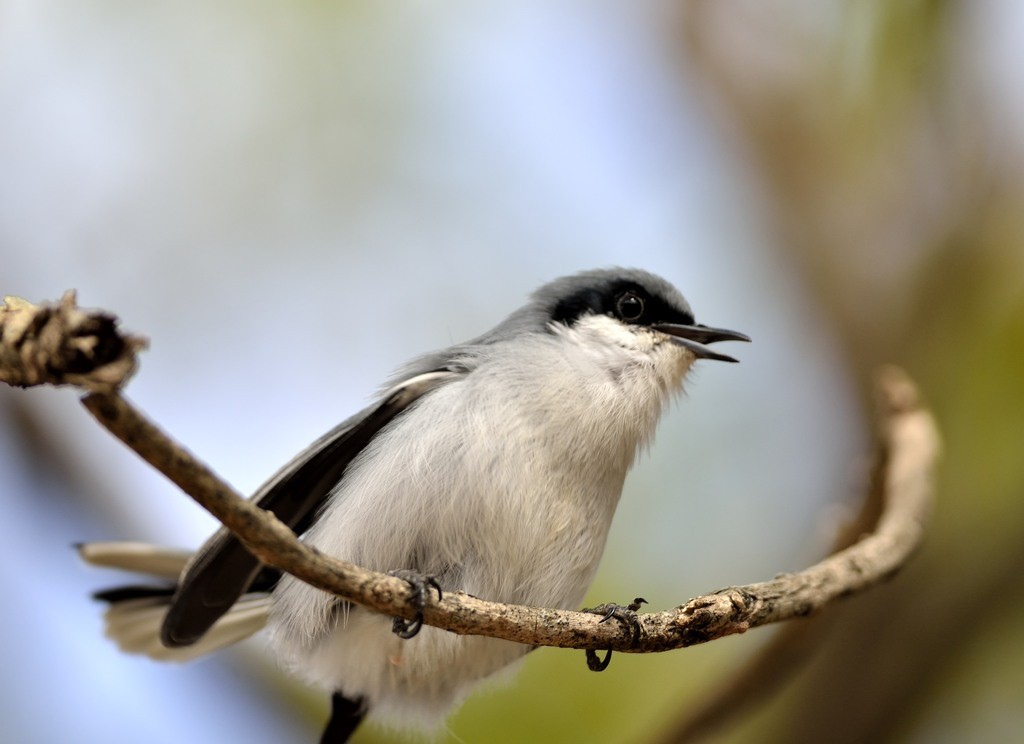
pixel 493 467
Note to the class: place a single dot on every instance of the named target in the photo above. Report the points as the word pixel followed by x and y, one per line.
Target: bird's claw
pixel 421 584
pixel 625 615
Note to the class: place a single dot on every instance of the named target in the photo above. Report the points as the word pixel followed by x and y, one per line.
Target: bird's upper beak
pixel 695 337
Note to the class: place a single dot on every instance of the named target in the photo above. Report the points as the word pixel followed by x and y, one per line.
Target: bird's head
pixel 631 309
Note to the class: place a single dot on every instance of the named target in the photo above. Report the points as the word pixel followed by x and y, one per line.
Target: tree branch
pixel 60 344
pixel 788 650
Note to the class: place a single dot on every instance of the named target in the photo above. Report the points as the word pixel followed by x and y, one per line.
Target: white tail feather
pixel 134 624
pixel 165 563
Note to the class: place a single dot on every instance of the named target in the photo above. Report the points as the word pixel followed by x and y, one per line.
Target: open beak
pixel 695 337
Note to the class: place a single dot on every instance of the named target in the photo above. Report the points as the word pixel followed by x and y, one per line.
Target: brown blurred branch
pixel 909 439
pixel 790 648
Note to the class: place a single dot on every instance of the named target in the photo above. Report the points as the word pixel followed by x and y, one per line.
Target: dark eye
pixel 629 306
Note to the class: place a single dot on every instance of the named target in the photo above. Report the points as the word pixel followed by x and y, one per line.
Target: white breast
pixel 503 484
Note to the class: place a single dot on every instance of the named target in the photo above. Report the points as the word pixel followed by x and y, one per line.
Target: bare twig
pixel 61 344
pixel 910 440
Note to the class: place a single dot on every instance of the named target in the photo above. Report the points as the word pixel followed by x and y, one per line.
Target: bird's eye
pixel 629 306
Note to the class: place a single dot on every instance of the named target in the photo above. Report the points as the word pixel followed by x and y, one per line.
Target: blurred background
pixel 291 199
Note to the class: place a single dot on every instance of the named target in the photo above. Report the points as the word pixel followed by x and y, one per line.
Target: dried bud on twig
pixel 61 344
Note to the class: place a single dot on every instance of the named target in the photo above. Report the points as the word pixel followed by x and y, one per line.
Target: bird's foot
pixel 625 615
pixel 421 584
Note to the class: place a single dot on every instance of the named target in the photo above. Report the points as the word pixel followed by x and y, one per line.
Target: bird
pixel 492 467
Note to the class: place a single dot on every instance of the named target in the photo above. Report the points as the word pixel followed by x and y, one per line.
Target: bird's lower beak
pixel 695 337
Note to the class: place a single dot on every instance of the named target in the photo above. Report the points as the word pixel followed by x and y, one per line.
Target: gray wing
pixel 223 570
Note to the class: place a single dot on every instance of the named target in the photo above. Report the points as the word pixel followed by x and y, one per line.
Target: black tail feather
pixel 125 593
pixel 264 582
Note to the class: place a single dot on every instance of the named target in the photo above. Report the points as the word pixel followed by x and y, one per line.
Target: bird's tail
pixel 135 613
